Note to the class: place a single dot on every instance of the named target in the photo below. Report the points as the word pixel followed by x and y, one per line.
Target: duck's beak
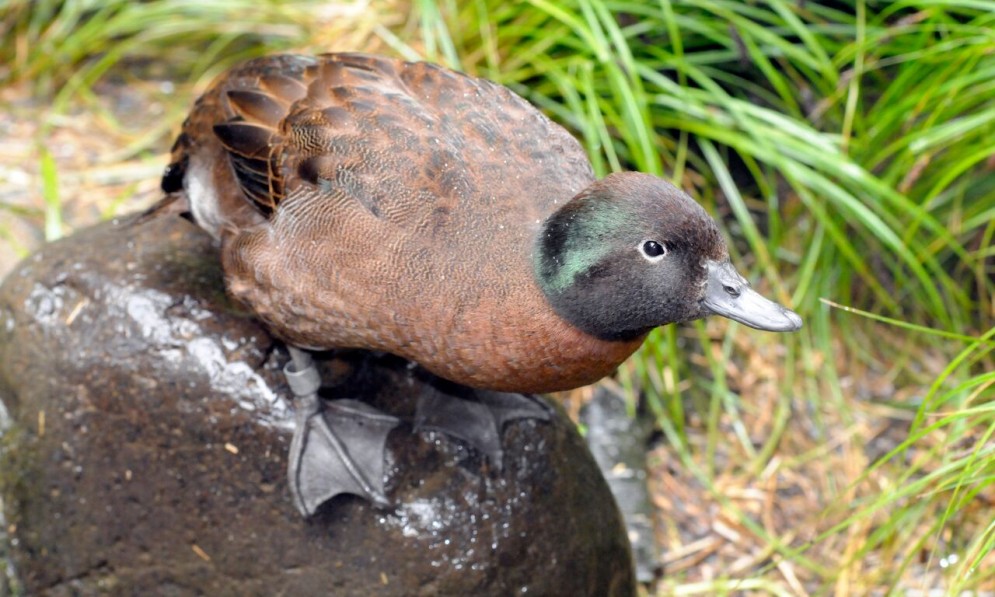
pixel 729 294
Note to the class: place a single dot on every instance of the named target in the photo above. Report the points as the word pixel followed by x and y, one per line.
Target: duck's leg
pixel 476 417
pixel 338 447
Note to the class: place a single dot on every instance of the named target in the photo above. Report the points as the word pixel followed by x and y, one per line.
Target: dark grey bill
pixel 729 294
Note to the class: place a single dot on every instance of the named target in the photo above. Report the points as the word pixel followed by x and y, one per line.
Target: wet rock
pixel 618 443
pixel 145 445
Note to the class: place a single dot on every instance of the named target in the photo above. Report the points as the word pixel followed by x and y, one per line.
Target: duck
pixel 366 202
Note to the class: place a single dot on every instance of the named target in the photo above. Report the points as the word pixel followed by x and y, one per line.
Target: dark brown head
pixel 632 252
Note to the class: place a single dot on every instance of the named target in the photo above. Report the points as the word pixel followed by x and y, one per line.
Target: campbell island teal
pixel 367 202
pixel 363 202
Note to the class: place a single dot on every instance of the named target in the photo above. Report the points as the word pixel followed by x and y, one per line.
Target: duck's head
pixel 632 252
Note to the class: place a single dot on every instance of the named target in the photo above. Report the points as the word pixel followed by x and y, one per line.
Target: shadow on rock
pixel 146 437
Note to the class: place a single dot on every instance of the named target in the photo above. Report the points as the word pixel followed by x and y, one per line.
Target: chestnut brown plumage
pixel 366 202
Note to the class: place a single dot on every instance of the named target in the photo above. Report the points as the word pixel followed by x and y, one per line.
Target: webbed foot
pixel 477 419
pixel 338 446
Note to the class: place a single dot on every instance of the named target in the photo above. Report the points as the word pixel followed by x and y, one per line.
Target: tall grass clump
pixel 64 46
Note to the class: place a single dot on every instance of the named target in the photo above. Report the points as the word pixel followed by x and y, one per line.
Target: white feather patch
pixel 202 196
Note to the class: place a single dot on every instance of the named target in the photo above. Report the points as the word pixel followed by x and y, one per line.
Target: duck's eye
pixel 653 251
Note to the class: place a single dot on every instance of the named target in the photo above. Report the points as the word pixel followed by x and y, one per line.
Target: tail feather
pixel 173 204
